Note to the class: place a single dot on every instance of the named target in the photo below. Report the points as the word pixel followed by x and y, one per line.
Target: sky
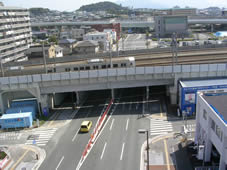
pixel 71 5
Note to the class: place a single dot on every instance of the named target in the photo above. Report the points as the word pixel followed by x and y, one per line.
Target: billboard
pixel 176 24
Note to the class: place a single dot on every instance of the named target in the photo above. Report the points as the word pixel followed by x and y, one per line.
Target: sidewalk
pixel 24 156
pixel 162 157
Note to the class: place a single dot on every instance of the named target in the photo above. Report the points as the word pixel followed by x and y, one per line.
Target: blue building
pixel 188 92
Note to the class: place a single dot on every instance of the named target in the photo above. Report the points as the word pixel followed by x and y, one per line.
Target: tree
pixel 176 6
pixel 53 39
pixel 147 34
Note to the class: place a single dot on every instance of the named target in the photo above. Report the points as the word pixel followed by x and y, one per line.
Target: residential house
pixel 67 45
pixel 88 46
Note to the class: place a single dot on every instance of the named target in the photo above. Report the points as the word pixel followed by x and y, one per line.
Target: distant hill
pixel 103 6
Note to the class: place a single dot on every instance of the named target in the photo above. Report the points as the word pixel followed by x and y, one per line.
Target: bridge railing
pixel 108 73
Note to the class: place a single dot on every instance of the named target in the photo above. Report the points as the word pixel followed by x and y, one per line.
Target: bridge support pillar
pixel 2 108
pixel 77 98
pixel 173 94
pixel 80 97
pixel 147 92
pixel 44 102
pixel 112 93
pixel 212 27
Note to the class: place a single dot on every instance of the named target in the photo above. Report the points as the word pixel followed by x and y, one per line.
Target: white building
pixel 101 37
pixel 73 33
pixel 211 126
pixel 15 33
pixel 112 33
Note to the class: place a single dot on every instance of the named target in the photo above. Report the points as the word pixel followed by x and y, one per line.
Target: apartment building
pixel 15 33
pixel 176 11
pixel 165 26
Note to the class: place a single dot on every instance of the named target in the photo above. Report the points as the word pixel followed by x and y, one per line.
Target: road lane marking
pixel 60 162
pixel 126 128
pixel 122 151
pixel 103 151
pixel 19 160
pixel 75 135
pixel 111 124
pixel 167 155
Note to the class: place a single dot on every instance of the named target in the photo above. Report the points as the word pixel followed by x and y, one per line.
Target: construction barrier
pixel 96 129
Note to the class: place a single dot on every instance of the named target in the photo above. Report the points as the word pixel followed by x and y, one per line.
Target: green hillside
pixel 103 6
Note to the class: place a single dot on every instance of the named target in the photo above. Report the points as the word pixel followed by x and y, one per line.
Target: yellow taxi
pixel 85 126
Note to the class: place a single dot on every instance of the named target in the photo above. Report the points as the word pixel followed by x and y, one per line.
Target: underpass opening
pixel 150 100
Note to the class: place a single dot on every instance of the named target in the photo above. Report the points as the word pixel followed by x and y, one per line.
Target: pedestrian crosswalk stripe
pixel 160 127
pixel 43 137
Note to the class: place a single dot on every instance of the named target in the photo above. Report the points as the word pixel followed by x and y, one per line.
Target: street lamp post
pixel 146 131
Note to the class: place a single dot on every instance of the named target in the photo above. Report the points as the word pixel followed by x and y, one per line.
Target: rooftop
pixel 218 102
pixel 201 83
pixel 16 115
pixel 88 43
pixel 67 41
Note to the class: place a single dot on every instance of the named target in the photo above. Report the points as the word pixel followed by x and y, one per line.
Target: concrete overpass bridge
pixel 49 87
pixel 128 24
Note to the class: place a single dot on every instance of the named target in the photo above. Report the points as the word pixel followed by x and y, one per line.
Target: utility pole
pixel 174 46
pixel 44 58
pixel 2 69
pixel 110 50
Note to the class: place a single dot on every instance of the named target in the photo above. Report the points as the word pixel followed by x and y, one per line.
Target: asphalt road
pixel 134 41
pixel 65 148
pixel 119 145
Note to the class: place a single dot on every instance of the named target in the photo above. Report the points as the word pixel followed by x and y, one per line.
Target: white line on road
pixel 122 151
pixel 111 124
pixel 75 135
pixel 60 162
pixel 126 128
pixel 103 151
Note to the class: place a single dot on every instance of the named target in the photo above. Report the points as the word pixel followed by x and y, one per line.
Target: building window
pixel 67 69
pixel 115 65
pixel 219 132
pixel 213 125
pixel 205 114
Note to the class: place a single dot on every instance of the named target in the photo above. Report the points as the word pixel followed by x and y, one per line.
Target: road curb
pixel 150 141
pixel 41 155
